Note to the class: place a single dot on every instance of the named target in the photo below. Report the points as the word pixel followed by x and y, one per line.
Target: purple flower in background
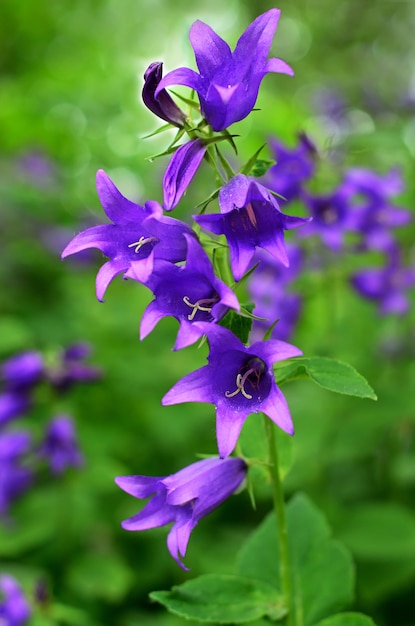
pixel 228 82
pixel 137 236
pixel 13 404
pixel 163 106
pixel 180 171
pixel 183 498
pixel 190 293
pixel 22 371
pixel 267 287
pixel 250 217
pixel 238 380
pixel 71 368
pixel 372 214
pixel 60 447
pixel 15 478
pixel 293 168
pixel 387 286
pixel 14 608
pixel 331 215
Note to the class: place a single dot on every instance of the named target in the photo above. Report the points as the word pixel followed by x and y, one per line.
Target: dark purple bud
pixel 60 447
pixel 163 106
pixel 180 171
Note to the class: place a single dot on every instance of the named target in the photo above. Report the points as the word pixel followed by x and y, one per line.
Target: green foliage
pixel 222 600
pixel 328 373
pixel 347 619
pixel 239 323
pixel 323 573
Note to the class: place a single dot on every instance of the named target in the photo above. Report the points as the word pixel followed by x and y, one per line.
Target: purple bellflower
pixel 268 288
pixel 137 236
pixel 71 369
pixel 14 608
pixel 331 217
pixel 60 447
pixel 372 213
pixel 13 404
pixel 190 293
pixel 293 167
pixel 163 106
pixel 22 371
pixel 182 167
pixel 250 217
pixel 228 82
pixel 238 380
pixel 15 478
pixel 387 286
pixel 183 498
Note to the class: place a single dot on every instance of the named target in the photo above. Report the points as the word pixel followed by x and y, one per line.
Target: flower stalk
pixel 282 532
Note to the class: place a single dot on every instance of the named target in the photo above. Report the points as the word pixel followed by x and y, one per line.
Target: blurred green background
pixel 71 78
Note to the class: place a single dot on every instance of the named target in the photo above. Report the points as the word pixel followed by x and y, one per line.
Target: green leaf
pixel 322 569
pixel 327 373
pixel 250 164
pixel 261 167
pixel 240 325
pixel 379 531
pixel 222 599
pixel 347 619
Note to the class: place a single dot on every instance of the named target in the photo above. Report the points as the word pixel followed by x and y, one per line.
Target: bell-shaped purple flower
pixel 60 446
pixel 22 371
pixel 163 106
pixel 72 368
pixel 292 169
pixel 182 167
pixel 228 82
pixel 191 293
pixel 238 380
pixel 387 285
pixel 14 608
pixel 15 478
pixel 250 217
pixel 13 404
pixel 137 236
pixel 183 498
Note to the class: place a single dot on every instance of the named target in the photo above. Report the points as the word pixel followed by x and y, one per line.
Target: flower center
pixel 204 304
pixel 141 242
pixel 250 373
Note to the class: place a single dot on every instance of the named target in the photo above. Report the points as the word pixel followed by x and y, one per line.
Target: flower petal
pixel 211 51
pixel 194 387
pixel 182 167
pixel 139 486
pixel 155 513
pixel 276 408
pixel 100 237
pixel 279 66
pixel 105 275
pixel 117 208
pixel 182 76
pixel 229 422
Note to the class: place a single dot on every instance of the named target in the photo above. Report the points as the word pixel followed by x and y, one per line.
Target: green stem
pixel 279 506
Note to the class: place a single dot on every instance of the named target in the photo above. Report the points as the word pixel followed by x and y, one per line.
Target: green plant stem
pixel 279 506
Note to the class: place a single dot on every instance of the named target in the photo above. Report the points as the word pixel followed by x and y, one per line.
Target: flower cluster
pixel 193 278
pixel 21 375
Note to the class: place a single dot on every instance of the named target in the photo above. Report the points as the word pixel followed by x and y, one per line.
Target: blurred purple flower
pixel 22 371
pixel 267 287
pixel 182 167
pixel 387 286
pixel 60 447
pixel 37 168
pixel 372 213
pixel 331 217
pixel 238 380
pixel 14 608
pixel 13 404
pixel 190 293
pixel 163 106
pixel 250 217
pixel 293 167
pixel 15 478
pixel 228 82
pixel 137 236
pixel 71 369
pixel 183 498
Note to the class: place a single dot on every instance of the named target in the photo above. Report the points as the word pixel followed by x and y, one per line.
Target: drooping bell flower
pixel 182 498
pixel 136 236
pixel 182 167
pixel 191 293
pixel 163 106
pixel 250 217
pixel 228 82
pixel 238 380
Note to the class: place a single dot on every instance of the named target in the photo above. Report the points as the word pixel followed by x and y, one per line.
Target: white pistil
pixel 141 242
pixel 240 382
pixel 198 306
